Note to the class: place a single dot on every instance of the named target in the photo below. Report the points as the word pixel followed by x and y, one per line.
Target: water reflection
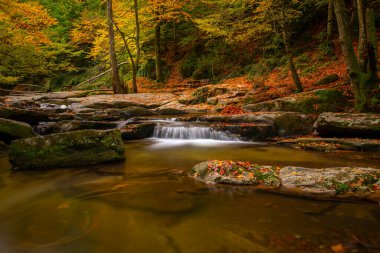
pixel 148 204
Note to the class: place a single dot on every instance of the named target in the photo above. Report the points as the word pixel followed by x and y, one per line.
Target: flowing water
pixel 148 204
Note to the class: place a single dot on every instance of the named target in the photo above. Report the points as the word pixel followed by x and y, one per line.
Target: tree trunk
pixel 362 83
pixel 330 23
pixel 362 47
pixel 157 46
pixel 135 66
pixel 116 82
pixel 293 70
pixel 372 50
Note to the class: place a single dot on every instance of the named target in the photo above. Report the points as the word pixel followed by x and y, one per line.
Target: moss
pixel 323 101
pixel 10 130
pixel 69 149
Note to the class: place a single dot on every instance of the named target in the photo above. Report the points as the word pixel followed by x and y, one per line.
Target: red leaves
pixel 232 109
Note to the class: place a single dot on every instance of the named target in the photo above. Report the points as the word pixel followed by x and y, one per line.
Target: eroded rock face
pixel 247 131
pixel 12 130
pixel 330 183
pixel 310 102
pixel 27 116
pixel 284 123
pixel 348 125
pixel 76 148
pixel 137 131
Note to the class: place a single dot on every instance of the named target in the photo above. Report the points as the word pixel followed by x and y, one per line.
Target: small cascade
pixel 183 131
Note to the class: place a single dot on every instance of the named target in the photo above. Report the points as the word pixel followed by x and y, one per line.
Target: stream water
pixel 148 204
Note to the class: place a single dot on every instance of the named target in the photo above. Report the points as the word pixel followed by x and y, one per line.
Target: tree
pixel 254 22
pixel 24 41
pixel 117 84
pixel 161 12
pixel 362 68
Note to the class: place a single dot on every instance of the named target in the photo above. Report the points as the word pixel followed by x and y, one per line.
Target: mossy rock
pixel 12 130
pixel 351 183
pixel 329 100
pixel 78 148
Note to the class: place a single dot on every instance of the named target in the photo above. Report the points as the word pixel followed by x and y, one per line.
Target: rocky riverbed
pixel 83 123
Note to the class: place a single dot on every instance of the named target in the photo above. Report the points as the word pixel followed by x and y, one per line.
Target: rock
pixel 284 123
pixel 115 104
pixel 120 101
pixel 327 79
pixel 169 111
pixel 78 148
pixel 217 91
pixel 12 130
pixel 3 147
pixel 212 101
pixel 137 131
pixel 310 102
pixel 228 172
pixel 73 125
pixel 28 116
pixel 247 131
pixel 115 114
pixel 348 125
pixel 333 144
pixel 328 183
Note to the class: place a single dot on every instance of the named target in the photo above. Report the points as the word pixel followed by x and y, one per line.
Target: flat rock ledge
pixel 343 183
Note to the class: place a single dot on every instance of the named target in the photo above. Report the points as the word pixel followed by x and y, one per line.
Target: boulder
pixel 310 102
pixel 284 123
pixel 12 130
pixel 78 148
pixel 137 131
pixel 348 125
pixel 328 183
pixel 73 125
pixel 28 116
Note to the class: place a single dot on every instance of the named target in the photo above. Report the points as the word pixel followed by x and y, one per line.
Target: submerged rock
pixel 78 148
pixel 362 125
pixel 329 183
pixel 12 130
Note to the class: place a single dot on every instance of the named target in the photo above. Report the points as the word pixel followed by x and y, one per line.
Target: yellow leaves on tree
pixel 24 22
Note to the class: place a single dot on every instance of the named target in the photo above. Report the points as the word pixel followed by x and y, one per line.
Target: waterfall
pixel 190 132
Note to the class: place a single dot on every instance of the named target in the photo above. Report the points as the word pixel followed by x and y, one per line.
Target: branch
pixel 98 76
